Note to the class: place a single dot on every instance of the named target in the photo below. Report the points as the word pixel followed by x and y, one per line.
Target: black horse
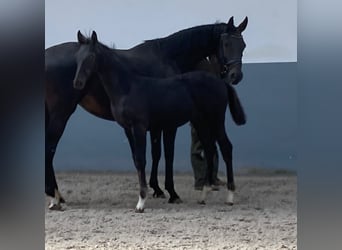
pixel 181 52
pixel 139 104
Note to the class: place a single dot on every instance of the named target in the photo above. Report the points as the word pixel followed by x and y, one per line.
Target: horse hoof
pixel 62 200
pixel 139 210
pixel 229 203
pixel 201 202
pixel 55 207
pixel 175 200
pixel 159 195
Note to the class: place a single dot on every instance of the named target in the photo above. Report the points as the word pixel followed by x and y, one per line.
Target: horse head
pixel 231 50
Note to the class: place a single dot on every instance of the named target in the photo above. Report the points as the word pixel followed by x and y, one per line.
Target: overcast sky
pixel 271 34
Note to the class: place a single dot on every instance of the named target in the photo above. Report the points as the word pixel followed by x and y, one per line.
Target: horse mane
pixel 184 40
pixel 185 32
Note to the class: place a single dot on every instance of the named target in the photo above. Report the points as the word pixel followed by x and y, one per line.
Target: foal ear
pixel 231 22
pixel 81 38
pixel 243 25
pixel 94 37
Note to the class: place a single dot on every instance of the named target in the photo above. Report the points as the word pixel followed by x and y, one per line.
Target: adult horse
pixel 178 53
pixel 140 104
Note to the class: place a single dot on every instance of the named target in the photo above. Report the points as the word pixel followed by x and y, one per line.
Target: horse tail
pixel 235 107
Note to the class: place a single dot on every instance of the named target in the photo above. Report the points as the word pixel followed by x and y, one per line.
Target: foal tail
pixel 235 107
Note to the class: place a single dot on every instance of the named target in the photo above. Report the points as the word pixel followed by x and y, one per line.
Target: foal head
pixel 86 60
pixel 231 50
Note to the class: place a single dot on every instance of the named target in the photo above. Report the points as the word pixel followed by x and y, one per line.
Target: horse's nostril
pixel 77 84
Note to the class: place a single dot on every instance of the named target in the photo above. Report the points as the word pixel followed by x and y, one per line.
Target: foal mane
pixel 88 41
pixel 106 57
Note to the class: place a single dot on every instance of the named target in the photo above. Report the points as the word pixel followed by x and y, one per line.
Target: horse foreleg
pixel 53 133
pixel 155 135
pixel 169 147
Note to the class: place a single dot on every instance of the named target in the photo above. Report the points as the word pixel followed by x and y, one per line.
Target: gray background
pixel 268 93
pixel 268 90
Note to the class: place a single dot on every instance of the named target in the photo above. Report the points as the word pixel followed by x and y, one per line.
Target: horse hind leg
pixel 156 153
pixel 169 147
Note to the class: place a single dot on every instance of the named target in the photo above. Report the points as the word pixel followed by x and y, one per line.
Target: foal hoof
pixel 62 200
pixel 159 195
pixel 55 207
pixel 201 202
pixel 230 198
pixel 139 210
pixel 175 200
pixel 229 203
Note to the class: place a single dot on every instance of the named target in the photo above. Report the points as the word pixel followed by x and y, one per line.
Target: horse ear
pixel 243 25
pixel 81 38
pixel 231 22
pixel 94 37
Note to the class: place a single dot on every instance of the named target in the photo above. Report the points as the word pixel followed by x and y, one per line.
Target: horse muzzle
pixel 78 84
pixel 234 77
pixel 232 74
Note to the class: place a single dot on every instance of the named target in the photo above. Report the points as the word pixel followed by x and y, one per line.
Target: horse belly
pixel 93 106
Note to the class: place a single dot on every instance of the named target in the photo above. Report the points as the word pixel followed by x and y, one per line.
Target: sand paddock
pixel 99 214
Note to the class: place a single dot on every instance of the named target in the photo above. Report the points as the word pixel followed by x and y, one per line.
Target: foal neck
pixel 115 75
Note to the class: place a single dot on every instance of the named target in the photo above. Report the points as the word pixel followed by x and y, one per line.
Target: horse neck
pixel 188 47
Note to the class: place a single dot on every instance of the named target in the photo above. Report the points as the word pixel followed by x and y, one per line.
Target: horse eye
pixel 227 43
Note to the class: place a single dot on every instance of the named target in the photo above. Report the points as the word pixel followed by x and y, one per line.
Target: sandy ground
pixel 99 214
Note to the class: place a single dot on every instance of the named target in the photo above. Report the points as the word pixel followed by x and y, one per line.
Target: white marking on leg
pixel 206 189
pixel 141 204
pixel 57 195
pixel 230 197
pixel 55 203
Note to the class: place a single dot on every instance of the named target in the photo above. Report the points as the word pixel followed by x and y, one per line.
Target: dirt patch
pixel 99 214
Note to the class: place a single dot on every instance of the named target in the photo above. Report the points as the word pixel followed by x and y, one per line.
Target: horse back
pixel 61 54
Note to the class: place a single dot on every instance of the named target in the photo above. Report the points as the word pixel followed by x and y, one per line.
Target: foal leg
pixel 226 148
pixel 155 135
pixel 206 137
pixel 139 149
pixel 169 148
pixel 130 138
